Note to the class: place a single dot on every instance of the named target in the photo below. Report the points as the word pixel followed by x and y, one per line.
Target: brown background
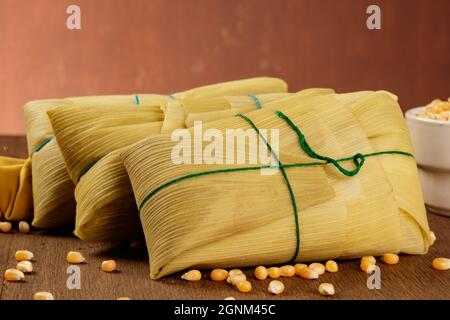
pixel 128 46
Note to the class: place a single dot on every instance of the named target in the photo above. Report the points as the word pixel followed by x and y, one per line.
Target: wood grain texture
pixel 166 46
pixel 412 278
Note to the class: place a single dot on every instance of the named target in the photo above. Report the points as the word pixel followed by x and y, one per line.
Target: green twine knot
pixel 358 158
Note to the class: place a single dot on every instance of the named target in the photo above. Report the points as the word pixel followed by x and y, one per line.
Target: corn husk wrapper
pixel 106 210
pixel 16 201
pixel 53 190
pixel 244 218
pixel 174 111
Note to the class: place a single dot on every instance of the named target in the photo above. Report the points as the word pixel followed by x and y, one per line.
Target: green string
pixel 358 159
pixel 43 144
pixel 304 145
pixel 86 169
pixel 257 102
pixel 286 179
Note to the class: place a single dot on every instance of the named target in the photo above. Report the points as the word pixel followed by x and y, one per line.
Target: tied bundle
pixel 91 141
pixel 53 190
pixel 345 185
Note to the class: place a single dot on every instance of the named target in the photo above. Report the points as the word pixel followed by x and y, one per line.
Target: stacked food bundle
pixel 91 139
pixel 323 176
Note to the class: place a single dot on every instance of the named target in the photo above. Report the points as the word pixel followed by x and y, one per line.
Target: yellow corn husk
pixel 221 220
pixel 52 187
pixel 195 112
pixel 174 111
pixel 16 201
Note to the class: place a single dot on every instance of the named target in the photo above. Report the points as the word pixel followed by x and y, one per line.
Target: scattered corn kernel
pixel 441 264
pixel 24 227
pixel 298 267
pixel 276 287
pixel 331 266
pixel 233 272
pixel 24 255
pixel 43 296
pixel 370 259
pixel 261 273
pixel 5 226
pixel 236 279
pixel 367 266
pixel 109 266
pixel 308 273
pixel 14 275
pixel 326 289
pixel 244 286
pixel 317 268
pixel 25 266
pixel 230 298
pixel 287 271
pixel 432 238
pixel 192 275
pixel 219 275
pixel 390 258
pixel 123 298
pixel 74 257
pixel 274 272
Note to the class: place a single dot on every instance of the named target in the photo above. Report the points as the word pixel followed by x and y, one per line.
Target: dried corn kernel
pixel 43 296
pixel 317 268
pixel 261 273
pixel 192 275
pixel 274 272
pixel 308 273
pixel 24 255
pixel 123 298
pixel 233 272
pixel 14 275
pixel 367 266
pixel 74 257
pixel 326 289
pixel 441 264
pixel 5 226
pixel 437 110
pixel 287 271
pixel 236 279
pixel 25 266
pixel 370 259
pixel 109 266
pixel 432 238
pixel 331 266
pixel 276 287
pixel 24 227
pixel 390 258
pixel 219 275
pixel 230 298
pixel 298 267
pixel 244 286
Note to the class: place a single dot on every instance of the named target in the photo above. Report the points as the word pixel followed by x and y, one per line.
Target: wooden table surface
pixel 412 278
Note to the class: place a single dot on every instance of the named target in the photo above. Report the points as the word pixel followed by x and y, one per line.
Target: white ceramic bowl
pixel 431 141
